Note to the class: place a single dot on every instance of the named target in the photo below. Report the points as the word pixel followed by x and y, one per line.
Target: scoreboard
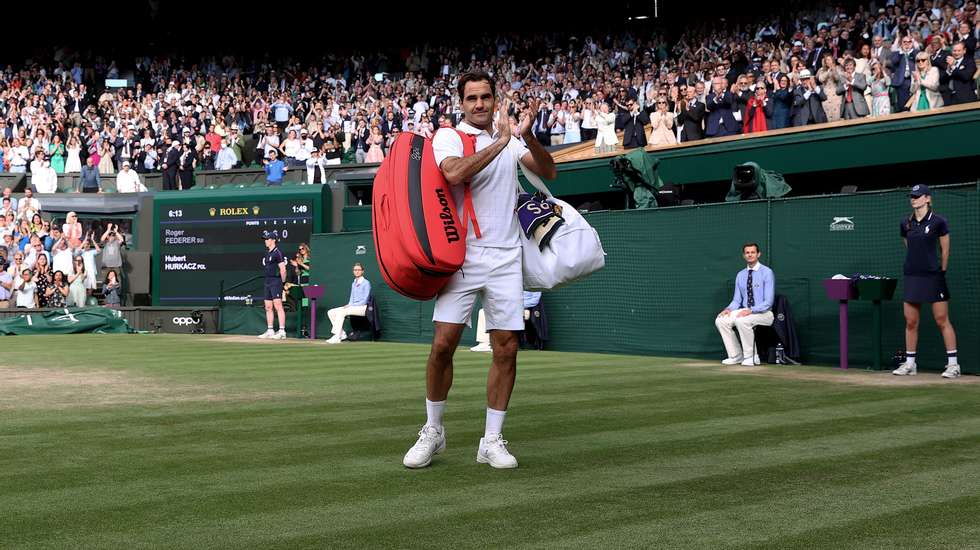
pixel 202 241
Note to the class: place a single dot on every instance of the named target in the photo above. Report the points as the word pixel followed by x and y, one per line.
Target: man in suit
pixel 719 121
pixel 938 60
pixel 902 64
pixel 851 89
pixel 171 164
pixel 76 106
pixel 542 130
pixel 633 125
pixel 878 50
pixel 960 68
pixel 691 116
pixel 966 36
pixel 808 101
pixel 814 56
pixel 125 147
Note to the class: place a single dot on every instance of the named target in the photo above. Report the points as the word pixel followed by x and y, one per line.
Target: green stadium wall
pixel 670 270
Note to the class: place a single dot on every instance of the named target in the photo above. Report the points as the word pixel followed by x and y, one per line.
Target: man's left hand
pixel 743 313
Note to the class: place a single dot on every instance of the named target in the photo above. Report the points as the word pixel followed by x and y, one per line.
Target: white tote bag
pixel 573 253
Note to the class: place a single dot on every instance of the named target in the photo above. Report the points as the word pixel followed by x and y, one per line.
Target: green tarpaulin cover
pixel 646 167
pixel 771 185
pixel 97 320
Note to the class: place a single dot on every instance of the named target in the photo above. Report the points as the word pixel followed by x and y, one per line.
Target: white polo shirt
pixel 494 189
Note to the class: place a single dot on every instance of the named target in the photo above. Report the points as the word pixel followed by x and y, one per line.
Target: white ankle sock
pixel 433 410
pixel 495 422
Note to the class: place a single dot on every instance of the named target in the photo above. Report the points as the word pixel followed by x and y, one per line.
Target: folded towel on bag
pixel 539 218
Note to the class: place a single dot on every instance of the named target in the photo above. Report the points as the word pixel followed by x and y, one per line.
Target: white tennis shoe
pixel 493 451
pixel 482 346
pixel 907 368
pixel 432 441
pixel 952 371
pixel 268 334
pixel 281 335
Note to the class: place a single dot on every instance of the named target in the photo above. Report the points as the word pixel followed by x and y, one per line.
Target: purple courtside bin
pixel 841 290
pixel 313 293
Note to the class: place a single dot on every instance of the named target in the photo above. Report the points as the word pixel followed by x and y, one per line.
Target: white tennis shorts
pixel 494 272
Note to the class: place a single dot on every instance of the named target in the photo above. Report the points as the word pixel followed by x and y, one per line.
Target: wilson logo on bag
pixel 419 237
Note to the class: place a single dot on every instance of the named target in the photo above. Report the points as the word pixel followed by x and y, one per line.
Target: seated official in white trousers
pixel 360 291
pixel 755 290
pixel 531 299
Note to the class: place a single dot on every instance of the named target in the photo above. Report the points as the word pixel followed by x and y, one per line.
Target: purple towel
pixel 539 218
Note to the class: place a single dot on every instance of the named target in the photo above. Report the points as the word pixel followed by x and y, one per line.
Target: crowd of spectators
pixel 713 79
pixel 48 262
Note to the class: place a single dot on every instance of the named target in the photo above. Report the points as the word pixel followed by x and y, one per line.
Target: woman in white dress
pixel 571 121
pixel 76 283
pixel 106 151
pixel 74 162
pixel 90 249
pixel 606 139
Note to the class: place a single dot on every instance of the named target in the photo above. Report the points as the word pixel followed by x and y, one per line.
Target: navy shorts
pixel 273 289
pixel 926 289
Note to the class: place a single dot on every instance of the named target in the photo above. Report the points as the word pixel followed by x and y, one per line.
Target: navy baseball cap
pixel 269 235
pixel 919 190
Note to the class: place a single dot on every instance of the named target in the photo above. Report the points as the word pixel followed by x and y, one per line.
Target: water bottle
pixel 780 354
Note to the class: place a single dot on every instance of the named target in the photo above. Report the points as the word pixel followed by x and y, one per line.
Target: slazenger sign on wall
pixel 842 224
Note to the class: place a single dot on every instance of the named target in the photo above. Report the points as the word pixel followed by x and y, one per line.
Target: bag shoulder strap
pixel 534 179
pixel 469 213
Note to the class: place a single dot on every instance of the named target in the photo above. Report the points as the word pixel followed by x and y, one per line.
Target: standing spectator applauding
pixel 111 289
pixel 90 181
pixel 76 283
pixel 74 163
pixel 851 89
pixel 962 71
pixel 274 169
pixel 690 116
pixel 57 152
pixel 606 139
pixel 829 76
pixel 808 100
pixel 633 123
pixel 662 123
pixel 880 83
pixel 925 85
pixel 902 65
pixel 719 121
pixel 128 181
pixel 758 112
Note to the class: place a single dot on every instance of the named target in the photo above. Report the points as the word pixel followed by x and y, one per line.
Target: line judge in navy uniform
pixel 274 264
pixel 925 279
pixel 751 305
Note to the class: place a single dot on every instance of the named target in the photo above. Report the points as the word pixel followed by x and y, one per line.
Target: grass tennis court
pixel 228 442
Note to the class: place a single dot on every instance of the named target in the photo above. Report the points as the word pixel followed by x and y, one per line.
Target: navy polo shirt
pixel 271 263
pixel 922 256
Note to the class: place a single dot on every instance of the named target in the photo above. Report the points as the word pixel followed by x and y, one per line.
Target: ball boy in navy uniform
pixel 274 263
pixel 925 279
